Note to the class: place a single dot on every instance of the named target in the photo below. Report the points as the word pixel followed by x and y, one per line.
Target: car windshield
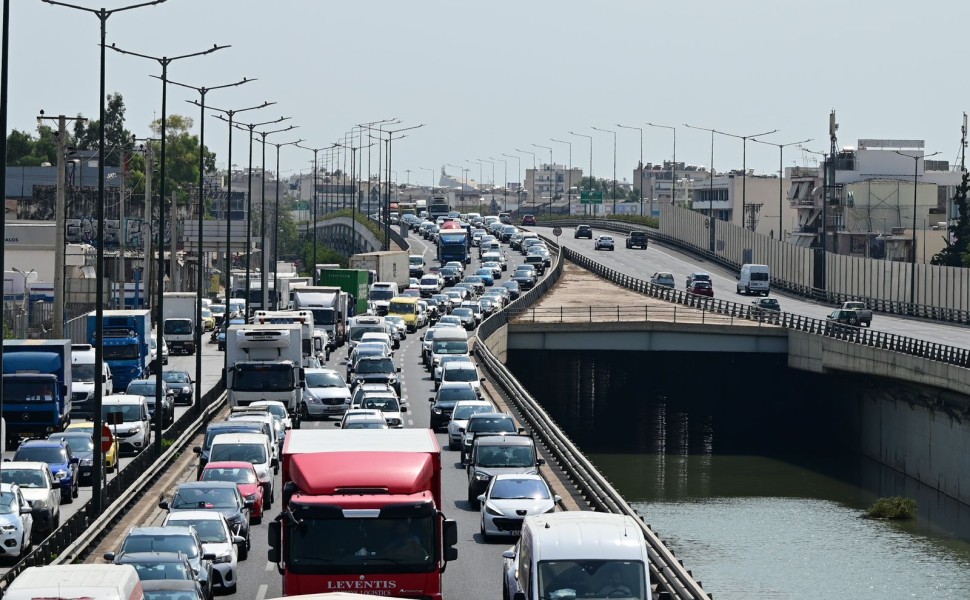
pixel 233 474
pixel 8 504
pixel 25 478
pixel 324 380
pixel 497 424
pixel 161 543
pixel 77 442
pixel 82 372
pixel 380 365
pixel 590 578
pixel 381 403
pixel 251 453
pixel 416 260
pixel 519 489
pixel 455 394
pixel 463 413
pixel 460 374
pixel 142 389
pixel 198 497
pixel 154 571
pixel 210 531
pixel 41 454
pixel 506 456
pixel 217 309
pixel 463 312
pixel 366 424
pixel 175 377
pixel 358 332
pixel 450 346
pixel 129 412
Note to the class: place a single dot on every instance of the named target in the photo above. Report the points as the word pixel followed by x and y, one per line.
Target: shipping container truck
pixel 453 245
pixel 389 265
pixel 362 512
pixel 287 285
pixel 314 342
pixel 36 387
pixel 329 306
pixel 263 362
pixel 355 282
pixel 178 321
pixel 127 337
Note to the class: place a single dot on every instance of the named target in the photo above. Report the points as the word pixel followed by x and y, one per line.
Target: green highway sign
pixel 591 197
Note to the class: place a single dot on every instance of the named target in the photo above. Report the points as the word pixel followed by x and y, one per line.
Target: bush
pixel 895 507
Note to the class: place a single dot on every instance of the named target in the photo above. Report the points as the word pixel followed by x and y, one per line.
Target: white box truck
pixel 329 308
pixel 96 582
pixel 387 265
pixel 179 322
pixel 264 363
pixel 313 340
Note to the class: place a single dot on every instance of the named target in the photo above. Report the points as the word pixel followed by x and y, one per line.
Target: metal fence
pixel 80 532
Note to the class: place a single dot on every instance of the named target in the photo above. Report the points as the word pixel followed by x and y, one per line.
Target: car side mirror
pixel 238 540
pixel 509 554
pixel 521 429
pixel 337 424
pixel 75 460
pixel 540 461
pixel 197 449
pixel 481 497
pixel 109 556
pixel 482 380
pixel 557 499
pixel 399 369
pixel 431 399
pixel 210 556
pixel 163 505
pixel 461 430
pixel 249 504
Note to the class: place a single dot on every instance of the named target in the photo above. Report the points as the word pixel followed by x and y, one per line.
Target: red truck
pixel 361 512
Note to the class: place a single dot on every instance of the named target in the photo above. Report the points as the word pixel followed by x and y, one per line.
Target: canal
pixel 751 472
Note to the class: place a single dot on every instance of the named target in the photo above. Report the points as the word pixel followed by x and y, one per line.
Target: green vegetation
pixel 652 222
pixel 895 507
pixel 957 253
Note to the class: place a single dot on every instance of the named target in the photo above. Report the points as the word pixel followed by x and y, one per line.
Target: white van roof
pixel 240 438
pixel 122 399
pixel 585 534
pixel 442 334
pixel 98 582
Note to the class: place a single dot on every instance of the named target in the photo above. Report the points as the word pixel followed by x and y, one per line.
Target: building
pixel 763 198
pixel 658 187
pixel 551 185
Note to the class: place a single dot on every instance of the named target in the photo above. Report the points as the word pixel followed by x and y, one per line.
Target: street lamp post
pixel 781 173
pixel 614 163
pixel 263 254
pixel 102 14
pixel 24 308
pixel 912 255
pixel 369 127
pixel 461 190
pixel 432 182
pixel 712 222
pixel 198 296
pixel 552 182
pixel 518 160
pixel 534 174
pixel 569 174
pixel 490 161
pixel 590 179
pixel 744 167
pixel 640 129
pixel 505 184
pixel 387 206
pixel 276 226
pixel 673 165
pixel 164 61
pixel 481 174
pixel 313 267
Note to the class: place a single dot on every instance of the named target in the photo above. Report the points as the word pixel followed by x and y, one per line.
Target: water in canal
pixel 750 472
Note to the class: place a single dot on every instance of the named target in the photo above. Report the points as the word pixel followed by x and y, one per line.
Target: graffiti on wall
pixel 84 230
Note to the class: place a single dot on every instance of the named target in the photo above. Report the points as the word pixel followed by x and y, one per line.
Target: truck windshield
pixel 402 308
pixel 82 372
pixel 26 391
pixel 263 377
pixel 379 545
pixel 178 327
pixel 382 294
pixel 323 316
pixel 123 352
pixel 591 578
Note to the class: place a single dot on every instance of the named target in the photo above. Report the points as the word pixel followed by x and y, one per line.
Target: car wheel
pixel 472 499
pixel 452 446
pixel 67 498
pixel 243 555
pixel 481 529
pixel 77 485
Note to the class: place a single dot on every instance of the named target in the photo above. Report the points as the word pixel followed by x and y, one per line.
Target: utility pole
pixel 173 260
pixel 60 219
pixel 121 229
pixel 146 225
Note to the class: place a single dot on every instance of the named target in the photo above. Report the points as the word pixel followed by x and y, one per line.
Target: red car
pixel 243 474
pixel 529 220
pixel 702 288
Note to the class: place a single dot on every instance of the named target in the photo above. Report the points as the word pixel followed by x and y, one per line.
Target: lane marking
pixel 261 591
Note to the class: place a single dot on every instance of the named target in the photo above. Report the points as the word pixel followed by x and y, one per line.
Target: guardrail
pixel 951 355
pixel 924 311
pixel 666 571
pixel 83 529
pixel 640 313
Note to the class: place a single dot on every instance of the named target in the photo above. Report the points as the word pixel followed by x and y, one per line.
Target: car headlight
pixel 87 461
pixel 492 511
pixel 482 476
pixel 60 474
pixel 134 430
pixel 223 559
pixel 436 410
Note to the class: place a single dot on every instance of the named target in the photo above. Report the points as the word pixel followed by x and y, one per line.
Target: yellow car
pixel 111 456
pixel 208 320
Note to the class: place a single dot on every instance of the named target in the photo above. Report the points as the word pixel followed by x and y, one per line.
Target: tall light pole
pixel 387 206
pixel 711 221
pixel 198 296
pixel 481 174
pixel 744 166
pixel 432 182
pixel 490 161
pixel 276 226
pixel 781 173
pixel 518 160
pixel 552 181
pixel 569 174
pixel 461 192
pixel 96 492
pixel 534 173
pixel 505 184
pixel 164 61
pixel 912 255
pixel 370 127
pixel 263 254
pixel 673 165
pixel 4 78
pixel 640 129
pixel 313 267
pixel 590 180
pixel 614 162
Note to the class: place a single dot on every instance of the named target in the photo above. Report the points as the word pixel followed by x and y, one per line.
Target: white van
pixel 448 341
pixel 94 581
pixel 83 372
pixel 253 448
pixel 578 554
pixel 262 415
pixel 134 432
pixel 754 279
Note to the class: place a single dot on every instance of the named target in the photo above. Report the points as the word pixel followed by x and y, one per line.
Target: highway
pixel 659 257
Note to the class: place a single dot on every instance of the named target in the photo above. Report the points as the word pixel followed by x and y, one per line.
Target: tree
pixel 957 252
pixel 181 156
pixel 25 150
pixel 116 137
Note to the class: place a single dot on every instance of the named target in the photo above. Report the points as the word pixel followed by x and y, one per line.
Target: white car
pixel 459 419
pixel 364 422
pixel 16 521
pixel 509 499
pixel 279 412
pixel 325 393
pixel 217 539
pixel 603 242
pixel 390 407
pixel 41 491
pixel 355 413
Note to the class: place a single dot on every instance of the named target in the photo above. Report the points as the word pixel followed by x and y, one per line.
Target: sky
pixel 492 78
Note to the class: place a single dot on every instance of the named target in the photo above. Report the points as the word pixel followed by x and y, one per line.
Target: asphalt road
pixel 644 263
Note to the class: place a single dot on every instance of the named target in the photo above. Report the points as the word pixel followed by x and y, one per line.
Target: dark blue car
pixel 58 456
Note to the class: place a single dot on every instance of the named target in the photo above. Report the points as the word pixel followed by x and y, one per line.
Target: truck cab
pixel 36 387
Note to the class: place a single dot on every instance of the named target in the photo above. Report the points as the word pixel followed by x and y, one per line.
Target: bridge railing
pixel 666 570
pixel 883 305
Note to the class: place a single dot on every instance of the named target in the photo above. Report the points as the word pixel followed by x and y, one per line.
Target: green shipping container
pixel 353 281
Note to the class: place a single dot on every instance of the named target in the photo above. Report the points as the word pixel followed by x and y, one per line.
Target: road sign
pixel 107 440
pixel 591 197
pixel 557 231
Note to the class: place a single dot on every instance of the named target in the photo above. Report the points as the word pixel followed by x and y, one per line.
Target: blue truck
pixel 127 337
pixel 453 244
pixel 36 387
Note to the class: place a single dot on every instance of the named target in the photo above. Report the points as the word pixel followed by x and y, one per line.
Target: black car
pixel 450 275
pixel 377 369
pixel 181 383
pixel 583 231
pixel 525 278
pixel 444 401
pixel 514 289
pixel 637 239
pixel 223 496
